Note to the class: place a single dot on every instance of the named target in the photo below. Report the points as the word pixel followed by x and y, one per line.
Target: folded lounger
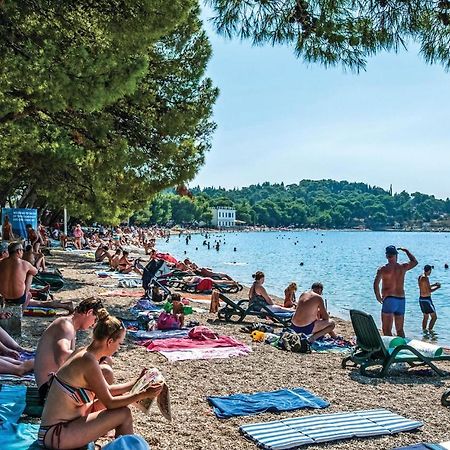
pixel 315 429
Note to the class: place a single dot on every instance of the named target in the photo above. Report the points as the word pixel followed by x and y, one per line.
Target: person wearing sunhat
pixel 392 293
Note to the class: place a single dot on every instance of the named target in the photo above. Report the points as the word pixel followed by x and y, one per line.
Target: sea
pixel 345 262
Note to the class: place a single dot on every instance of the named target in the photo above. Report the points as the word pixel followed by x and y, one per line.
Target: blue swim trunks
pixel 426 305
pixel 307 329
pixel 394 305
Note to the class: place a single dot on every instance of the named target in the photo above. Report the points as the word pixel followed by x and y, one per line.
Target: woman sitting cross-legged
pixel 81 406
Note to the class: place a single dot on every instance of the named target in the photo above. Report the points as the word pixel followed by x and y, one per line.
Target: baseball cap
pixel 391 250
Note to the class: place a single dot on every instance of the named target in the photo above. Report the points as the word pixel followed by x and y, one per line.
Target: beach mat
pixel 173 344
pixel 5 377
pixel 123 293
pixel 421 446
pixel 160 334
pixel 235 405
pixel 332 345
pixel 316 429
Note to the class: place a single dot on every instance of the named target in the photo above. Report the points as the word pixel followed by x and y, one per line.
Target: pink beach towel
pixel 185 344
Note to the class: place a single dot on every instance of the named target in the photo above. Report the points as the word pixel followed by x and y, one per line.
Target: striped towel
pixel 314 429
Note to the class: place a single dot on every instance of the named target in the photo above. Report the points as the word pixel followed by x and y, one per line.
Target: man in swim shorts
pixel 392 295
pixel 425 302
pixel 16 276
pixel 311 316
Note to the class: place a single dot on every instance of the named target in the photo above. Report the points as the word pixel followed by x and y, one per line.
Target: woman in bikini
pixel 81 406
pixel 257 291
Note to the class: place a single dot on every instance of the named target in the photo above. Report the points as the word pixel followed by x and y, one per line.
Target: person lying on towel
pixel 81 406
pixel 58 342
pixel 10 354
pixel 311 317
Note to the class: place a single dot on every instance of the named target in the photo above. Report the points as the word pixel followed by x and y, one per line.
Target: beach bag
pixel 293 342
pixel 167 321
pixel 202 333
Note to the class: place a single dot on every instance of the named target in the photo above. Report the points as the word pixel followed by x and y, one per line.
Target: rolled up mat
pixel 426 348
pixel 393 341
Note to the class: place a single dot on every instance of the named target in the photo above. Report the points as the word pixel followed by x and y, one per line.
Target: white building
pixel 223 217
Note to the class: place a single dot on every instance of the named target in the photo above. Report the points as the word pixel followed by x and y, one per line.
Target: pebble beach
pixel 415 395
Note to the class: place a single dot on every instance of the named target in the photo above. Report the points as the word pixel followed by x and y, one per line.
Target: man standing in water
pixel 426 304
pixel 392 295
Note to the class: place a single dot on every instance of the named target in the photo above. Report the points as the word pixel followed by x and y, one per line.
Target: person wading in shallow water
pixel 392 294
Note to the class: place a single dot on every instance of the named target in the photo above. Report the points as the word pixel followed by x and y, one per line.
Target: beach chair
pixel 445 399
pixel 371 351
pixel 237 311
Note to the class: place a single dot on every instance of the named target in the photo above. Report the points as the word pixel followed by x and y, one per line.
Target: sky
pixel 281 119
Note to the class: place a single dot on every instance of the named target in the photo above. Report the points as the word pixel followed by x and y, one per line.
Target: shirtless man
pixel 392 295
pixel 35 259
pixel 425 301
pixel 102 252
pixel 16 276
pixel 306 319
pixel 57 343
pixel 34 238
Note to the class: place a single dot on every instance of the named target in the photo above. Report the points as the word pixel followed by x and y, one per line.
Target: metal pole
pixel 65 221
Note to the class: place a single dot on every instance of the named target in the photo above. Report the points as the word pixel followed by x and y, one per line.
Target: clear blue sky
pixel 280 119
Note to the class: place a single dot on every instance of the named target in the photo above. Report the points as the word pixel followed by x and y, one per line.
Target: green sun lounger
pixel 237 311
pixel 371 351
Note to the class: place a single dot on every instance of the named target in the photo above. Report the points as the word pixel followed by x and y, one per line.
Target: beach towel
pixel 315 429
pixel 19 436
pixel 5 377
pixel 332 345
pixel 146 305
pixel 205 353
pixel 129 283
pixel 160 334
pixel 274 401
pixel 127 442
pixel 39 311
pixel 123 293
pixel 12 402
pixel 186 344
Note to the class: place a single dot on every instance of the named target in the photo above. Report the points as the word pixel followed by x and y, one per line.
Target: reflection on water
pixel 344 261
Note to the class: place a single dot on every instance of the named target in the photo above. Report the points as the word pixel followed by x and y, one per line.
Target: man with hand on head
pixel 392 294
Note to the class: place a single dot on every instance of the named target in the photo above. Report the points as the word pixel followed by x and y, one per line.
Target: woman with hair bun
pixel 257 292
pixel 81 406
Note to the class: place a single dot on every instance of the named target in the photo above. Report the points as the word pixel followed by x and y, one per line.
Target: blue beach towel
pixel 315 429
pixel 275 401
pixel 160 334
pixel 12 402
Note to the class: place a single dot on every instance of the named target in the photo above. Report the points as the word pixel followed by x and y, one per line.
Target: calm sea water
pixel 344 261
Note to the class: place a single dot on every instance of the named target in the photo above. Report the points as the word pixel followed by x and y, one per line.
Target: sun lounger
pixel 276 401
pixel 316 429
pixel 371 351
pixel 237 311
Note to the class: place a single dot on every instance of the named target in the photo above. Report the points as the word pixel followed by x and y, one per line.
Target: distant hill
pixel 323 203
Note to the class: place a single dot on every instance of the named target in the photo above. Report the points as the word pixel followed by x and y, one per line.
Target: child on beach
pixel 289 296
pixel 425 301
pixel 173 316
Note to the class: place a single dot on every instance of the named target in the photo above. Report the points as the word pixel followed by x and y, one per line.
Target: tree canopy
pixel 102 104
pixel 324 203
pixel 343 32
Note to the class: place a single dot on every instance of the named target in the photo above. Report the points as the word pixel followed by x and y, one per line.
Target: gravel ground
pixel 195 427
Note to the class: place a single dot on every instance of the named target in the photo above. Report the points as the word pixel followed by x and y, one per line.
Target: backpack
pixel 293 342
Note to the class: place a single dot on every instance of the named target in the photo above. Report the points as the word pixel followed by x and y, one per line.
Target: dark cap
pixel 427 268
pixel 391 250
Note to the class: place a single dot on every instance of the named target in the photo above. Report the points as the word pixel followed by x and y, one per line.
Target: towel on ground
pixel 422 446
pixel 12 402
pixel 205 353
pixel 275 401
pixel 332 345
pixel 127 442
pixel 181 344
pixel 8 377
pixel 123 293
pixel 161 334
pixel 315 429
